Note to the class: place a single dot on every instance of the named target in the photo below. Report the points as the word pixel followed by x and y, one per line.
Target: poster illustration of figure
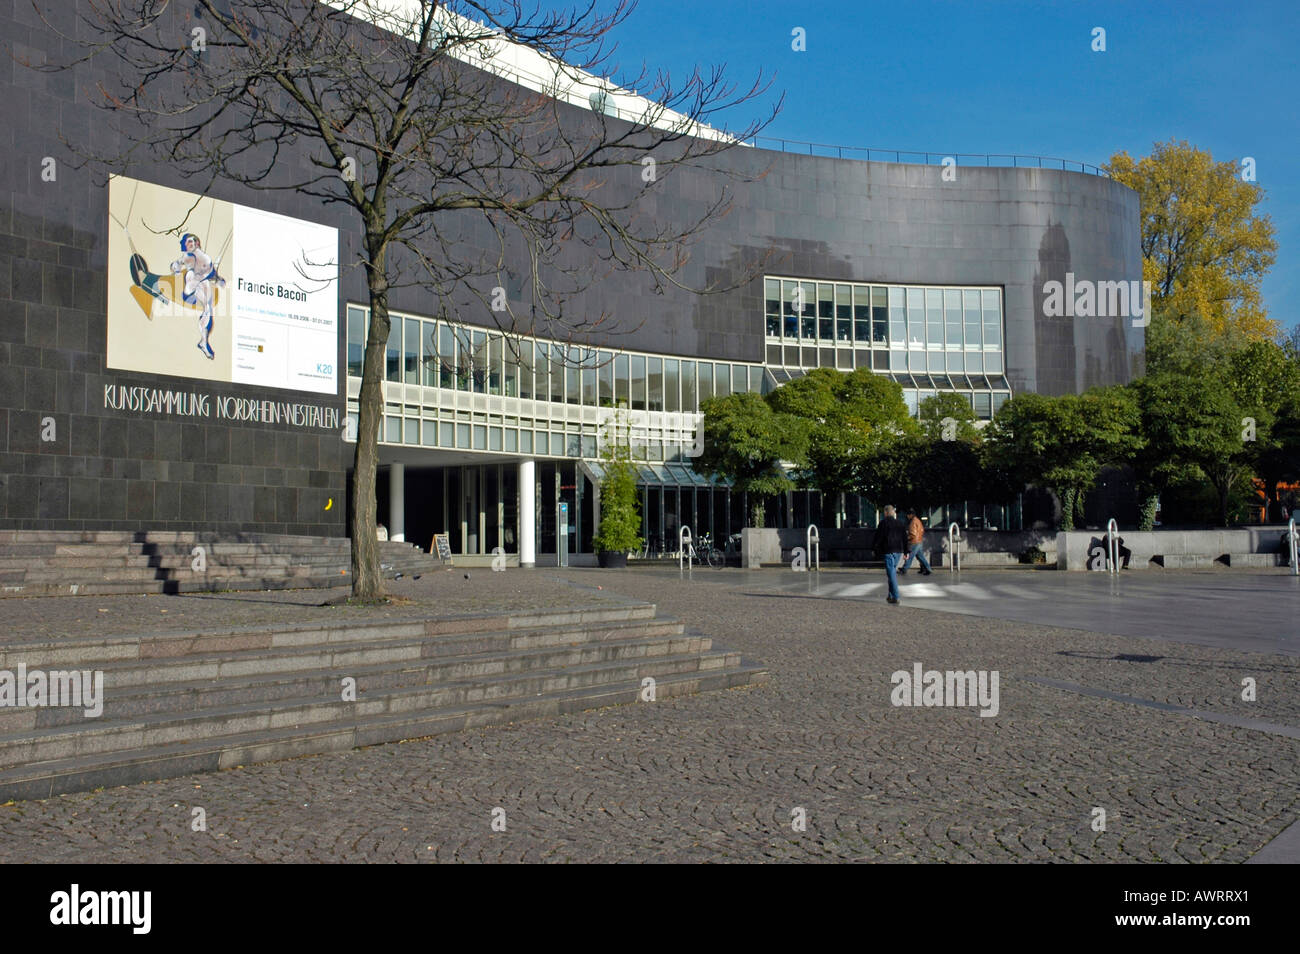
pixel 260 289
pixel 187 291
pixel 201 284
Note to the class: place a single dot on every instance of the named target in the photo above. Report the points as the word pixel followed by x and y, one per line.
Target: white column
pixel 397 501
pixel 527 513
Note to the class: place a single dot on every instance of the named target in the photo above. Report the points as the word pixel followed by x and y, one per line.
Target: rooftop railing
pixel 991 160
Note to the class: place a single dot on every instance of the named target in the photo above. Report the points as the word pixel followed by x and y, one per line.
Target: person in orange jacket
pixel 915 537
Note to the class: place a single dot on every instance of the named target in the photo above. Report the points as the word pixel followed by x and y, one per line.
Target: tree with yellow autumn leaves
pixel 1205 247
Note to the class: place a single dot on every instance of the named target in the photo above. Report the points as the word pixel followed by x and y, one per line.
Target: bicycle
pixel 707 552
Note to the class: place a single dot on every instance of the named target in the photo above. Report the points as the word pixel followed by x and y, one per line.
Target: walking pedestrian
pixel 890 543
pixel 915 540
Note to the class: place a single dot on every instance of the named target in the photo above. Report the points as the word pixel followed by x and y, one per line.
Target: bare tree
pixel 398 110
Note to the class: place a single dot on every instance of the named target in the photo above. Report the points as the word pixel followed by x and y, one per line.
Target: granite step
pixel 84 772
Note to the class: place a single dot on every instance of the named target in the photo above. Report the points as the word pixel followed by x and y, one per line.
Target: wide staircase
pixel 179 703
pixel 74 563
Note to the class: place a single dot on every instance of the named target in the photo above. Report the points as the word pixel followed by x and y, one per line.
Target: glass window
pixel 621 380
pixel 934 319
pixel 792 298
pixel 808 317
pixel 672 402
pixel 772 306
pixel 462 436
pixel 974 362
pixel 739 378
pixel 541 367
pixel 411 352
pixel 897 319
pixel 992 321
pixel 706 380
pixel 589 378
pixel 721 380
pixel 656 384
pixel 393 372
pixel 430 434
pixel 495 358
pixel 862 312
pixel 879 315
pixel 605 376
pixel 557 374
pixel 464 362
pixel 915 319
pixel 411 432
pixel 511 356
pixel 999 400
pixel 480 437
pixel 689 402
pixel 843 313
pixel 993 362
pixel 393 429
pixel 983 405
pixel 480 362
pixel 356 340
pixel 526 442
pixel 638 382
pixel 756 379
pixel 429 355
pixel 952 319
pixel 525 369
pixel 971 301
pixel 446 435
pixel 573 376
pixel 446 357
pixel 825 312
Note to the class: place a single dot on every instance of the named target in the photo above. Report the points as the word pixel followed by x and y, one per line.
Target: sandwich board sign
pixel 442 547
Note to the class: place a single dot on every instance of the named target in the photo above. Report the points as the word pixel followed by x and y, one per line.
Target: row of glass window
pixel 884 316
pixel 899 359
pixel 437 354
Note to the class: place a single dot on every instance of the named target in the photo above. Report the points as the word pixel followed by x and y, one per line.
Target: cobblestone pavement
pixel 722 776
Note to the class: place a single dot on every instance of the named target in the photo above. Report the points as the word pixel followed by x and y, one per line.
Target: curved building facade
pixel 935 276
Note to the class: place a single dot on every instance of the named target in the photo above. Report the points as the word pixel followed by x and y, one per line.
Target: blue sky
pixel 1014 76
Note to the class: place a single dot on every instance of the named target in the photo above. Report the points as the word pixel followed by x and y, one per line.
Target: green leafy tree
pixel 746 442
pixel 1062 443
pixel 939 408
pixel 620 508
pixel 847 417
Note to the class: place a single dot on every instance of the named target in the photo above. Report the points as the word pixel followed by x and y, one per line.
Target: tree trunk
pixel 366 582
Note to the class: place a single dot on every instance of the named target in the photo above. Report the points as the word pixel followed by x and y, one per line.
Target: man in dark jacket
pixel 890 543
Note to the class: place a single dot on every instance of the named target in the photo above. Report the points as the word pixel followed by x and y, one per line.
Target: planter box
pixel 612 561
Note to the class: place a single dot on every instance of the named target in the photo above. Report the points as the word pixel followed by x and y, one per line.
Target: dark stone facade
pixel 813 217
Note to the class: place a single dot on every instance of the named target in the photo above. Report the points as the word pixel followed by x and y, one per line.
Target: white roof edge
pixel 526 67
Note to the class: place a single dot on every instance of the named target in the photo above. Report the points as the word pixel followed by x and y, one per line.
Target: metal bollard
pixel 1291 535
pixel 813 542
pixel 954 547
pixel 683 541
pixel 1112 545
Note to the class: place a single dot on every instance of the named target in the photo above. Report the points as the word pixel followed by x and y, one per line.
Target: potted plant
pixel 620 506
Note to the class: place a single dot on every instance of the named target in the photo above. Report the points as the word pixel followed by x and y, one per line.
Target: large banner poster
pixel 201 288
